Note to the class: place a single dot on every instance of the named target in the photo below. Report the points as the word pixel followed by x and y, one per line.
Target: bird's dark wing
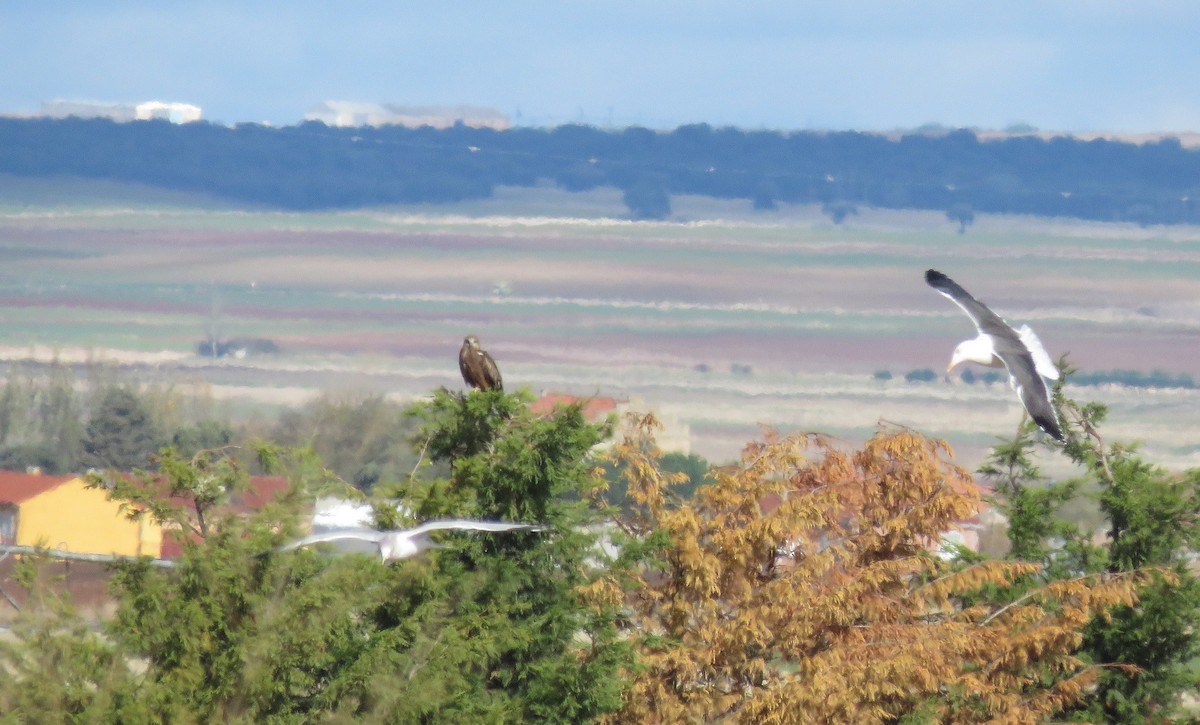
pixel 490 372
pixel 1031 389
pixel 464 366
pixel 987 321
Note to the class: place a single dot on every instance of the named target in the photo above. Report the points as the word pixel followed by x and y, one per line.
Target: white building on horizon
pixel 357 113
pixel 145 111
pixel 170 111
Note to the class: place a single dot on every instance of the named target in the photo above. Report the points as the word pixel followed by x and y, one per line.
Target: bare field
pixel 722 318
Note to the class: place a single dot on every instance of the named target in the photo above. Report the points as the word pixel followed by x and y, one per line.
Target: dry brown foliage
pixel 831 607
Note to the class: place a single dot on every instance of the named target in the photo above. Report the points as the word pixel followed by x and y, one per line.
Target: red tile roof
pixel 262 491
pixel 20 487
pixel 593 408
pixel 767 504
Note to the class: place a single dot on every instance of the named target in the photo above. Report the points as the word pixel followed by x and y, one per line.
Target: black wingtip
pixel 1052 429
pixel 934 277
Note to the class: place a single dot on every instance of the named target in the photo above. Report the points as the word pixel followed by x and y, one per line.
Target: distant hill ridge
pixel 313 166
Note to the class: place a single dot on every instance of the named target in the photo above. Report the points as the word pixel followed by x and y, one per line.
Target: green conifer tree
pixel 1150 517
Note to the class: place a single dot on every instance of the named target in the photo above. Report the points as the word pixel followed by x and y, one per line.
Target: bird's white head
pixel 956 359
pixel 471 341
pixel 977 350
pixel 402 545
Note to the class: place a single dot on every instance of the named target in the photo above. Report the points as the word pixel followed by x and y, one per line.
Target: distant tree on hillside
pixel 764 196
pixel 838 210
pixel 208 435
pixel 647 199
pixel 364 439
pixel 40 421
pixel 121 433
pixel 689 464
pixel 922 375
pixel 963 214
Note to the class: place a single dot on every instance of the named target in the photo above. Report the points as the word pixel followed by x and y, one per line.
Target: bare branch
pixel 1090 430
pixel 1031 595
pixel 420 457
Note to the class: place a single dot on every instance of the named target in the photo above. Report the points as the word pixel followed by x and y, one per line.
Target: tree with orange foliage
pixel 834 606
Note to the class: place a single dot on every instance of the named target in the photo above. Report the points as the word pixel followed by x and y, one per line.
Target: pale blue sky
pixel 778 64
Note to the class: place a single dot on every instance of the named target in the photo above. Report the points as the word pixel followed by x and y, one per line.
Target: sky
pixel 869 65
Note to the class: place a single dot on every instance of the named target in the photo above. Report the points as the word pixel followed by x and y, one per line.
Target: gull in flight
pixel 406 543
pixel 999 344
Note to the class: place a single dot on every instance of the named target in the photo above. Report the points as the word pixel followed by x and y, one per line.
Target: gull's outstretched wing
pixel 356 534
pixel 987 321
pixel 469 525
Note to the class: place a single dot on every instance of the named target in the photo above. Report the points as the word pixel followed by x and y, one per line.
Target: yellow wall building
pixel 61 512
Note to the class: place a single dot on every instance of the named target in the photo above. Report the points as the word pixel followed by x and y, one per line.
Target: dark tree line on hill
pixel 312 166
